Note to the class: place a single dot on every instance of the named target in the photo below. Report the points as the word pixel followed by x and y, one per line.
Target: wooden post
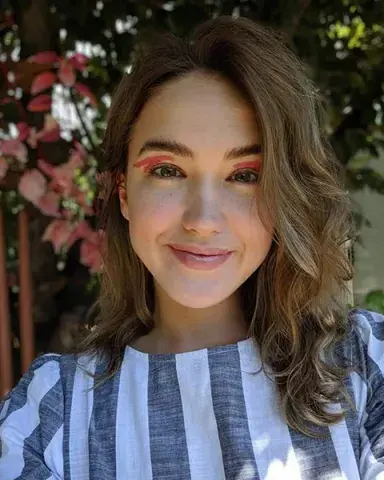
pixel 27 334
pixel 6 374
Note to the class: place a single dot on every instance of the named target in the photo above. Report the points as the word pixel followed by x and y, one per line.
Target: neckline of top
pixel 246 346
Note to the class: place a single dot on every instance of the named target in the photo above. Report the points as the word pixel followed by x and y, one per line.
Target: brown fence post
pixel 27 339
pixel 6 373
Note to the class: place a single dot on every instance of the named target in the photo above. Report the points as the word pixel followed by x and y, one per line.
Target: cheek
pixel 242 209
pixel 153 210
pixel 244 218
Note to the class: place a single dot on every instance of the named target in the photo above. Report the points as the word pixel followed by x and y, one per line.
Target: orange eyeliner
pixel 150 162
pixel 252 164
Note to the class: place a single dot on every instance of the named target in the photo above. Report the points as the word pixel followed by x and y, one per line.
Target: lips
pixel 200 250
pixel 200 258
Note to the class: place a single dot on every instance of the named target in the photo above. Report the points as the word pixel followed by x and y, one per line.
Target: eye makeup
pixel 149 162
pixel 255 164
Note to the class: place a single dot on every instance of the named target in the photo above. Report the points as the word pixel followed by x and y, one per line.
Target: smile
pixel 199 258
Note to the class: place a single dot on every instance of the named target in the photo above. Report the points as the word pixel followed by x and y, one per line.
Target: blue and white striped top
pixel 194 415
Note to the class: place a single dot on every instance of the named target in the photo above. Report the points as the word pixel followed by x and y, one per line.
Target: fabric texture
pixel 208 414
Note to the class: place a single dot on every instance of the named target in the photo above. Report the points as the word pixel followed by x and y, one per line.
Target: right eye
pixel 165 171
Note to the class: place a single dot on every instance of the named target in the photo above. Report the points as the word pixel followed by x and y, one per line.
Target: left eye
pixel 245 176
pixel 165 171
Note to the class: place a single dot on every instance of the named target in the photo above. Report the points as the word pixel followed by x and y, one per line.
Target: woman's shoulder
pixel 42 376
pixel 34 412
pixel 367 324
pixel 31 419
pixel 45 386
pixel 363 345
pixel 366 331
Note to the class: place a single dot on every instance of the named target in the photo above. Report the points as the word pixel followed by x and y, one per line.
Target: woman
pixel 224 347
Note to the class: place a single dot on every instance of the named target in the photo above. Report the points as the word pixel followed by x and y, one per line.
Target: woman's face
pixel 192 191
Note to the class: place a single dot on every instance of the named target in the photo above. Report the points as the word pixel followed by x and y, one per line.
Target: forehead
pixel 199 110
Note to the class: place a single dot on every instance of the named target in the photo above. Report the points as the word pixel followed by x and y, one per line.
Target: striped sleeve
pixel 31 424
pixel 370 332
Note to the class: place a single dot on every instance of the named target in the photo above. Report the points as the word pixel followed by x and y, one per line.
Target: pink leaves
pixel 44 57
pixel 90 255
pixel 63 192
pixel 47 194
pixel 82 230
pixel 86 92
pixel 49 204
pixel 50 131
pixel 90 248
pixel 66 74
pixel 24 130
pixel 42 82
pixel 14 148
pixel 49 135
pixel 62 175
pixel 79 61
pixel 63 234
pixel 78 155
pixel 32 185
pixel 41 103
pixel 58 233
pixel 46 167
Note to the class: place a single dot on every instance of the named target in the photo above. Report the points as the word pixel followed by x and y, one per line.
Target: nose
pixel 203 214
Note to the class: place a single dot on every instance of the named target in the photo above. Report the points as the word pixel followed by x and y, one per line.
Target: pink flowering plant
pixel 64 192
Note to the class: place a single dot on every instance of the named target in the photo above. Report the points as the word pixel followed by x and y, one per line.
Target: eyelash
pixel 152 172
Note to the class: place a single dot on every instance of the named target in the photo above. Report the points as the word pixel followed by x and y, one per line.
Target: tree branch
pixel 297 17
pixel 87 133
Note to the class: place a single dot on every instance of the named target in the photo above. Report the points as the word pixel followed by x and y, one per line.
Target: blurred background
pixel 60 62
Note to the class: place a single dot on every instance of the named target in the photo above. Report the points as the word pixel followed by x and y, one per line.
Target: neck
pixel 181 329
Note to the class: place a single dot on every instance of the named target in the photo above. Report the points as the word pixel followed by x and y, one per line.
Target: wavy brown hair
pixel 295 303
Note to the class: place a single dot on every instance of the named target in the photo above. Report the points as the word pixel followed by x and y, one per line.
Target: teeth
pixel 204 257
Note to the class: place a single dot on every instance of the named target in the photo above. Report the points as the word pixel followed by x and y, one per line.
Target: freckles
pixel 254 208
pixel 156 206
pixel 243 206
pixel 243 215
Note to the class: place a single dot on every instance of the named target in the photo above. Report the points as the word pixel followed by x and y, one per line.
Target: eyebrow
pixel 171 146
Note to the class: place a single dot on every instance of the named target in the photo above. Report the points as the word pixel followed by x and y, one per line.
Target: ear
pixel 122 192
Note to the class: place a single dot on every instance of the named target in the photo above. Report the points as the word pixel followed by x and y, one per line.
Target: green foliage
pixel 374 301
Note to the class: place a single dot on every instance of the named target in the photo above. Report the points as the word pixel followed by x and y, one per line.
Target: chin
pixel 197 303
pixel 201 297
